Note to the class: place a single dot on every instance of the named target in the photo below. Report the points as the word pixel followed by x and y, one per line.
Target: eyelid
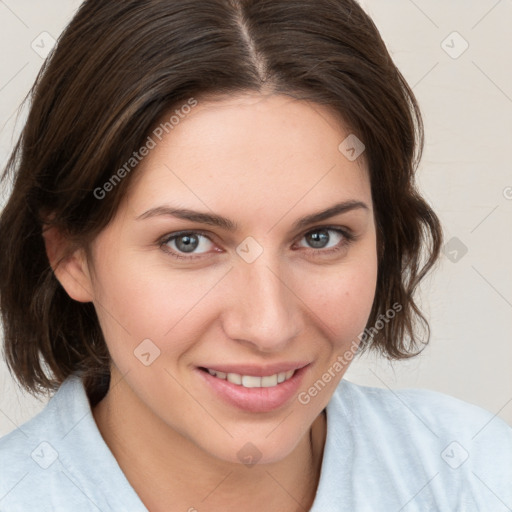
pixel 176 234
pixel 348 236
pixel 343 229
pixel 346 232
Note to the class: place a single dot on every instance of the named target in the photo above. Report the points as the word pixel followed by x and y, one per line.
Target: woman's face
pixel 242 279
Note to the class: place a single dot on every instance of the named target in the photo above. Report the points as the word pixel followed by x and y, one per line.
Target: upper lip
pixel 256 370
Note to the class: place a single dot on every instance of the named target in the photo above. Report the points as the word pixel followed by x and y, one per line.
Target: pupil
pixel 318 239
pixel 186 243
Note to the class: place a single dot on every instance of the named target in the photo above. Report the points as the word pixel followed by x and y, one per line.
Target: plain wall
pixel 466 99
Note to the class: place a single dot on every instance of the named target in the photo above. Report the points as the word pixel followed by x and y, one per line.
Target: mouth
pixel 265 392
pixel 252 381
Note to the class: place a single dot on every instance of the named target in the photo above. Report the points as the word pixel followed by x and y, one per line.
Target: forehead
pixel 259 153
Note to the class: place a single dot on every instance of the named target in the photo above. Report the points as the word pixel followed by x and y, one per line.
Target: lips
pixel 256 370
pixel 253 381
pixel 258 395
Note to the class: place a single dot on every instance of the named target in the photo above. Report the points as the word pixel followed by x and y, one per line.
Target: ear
pixel 70 268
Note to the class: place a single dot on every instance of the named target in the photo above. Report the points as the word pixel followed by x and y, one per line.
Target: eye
pixel 327 240
pixel 180 245
pixel 190 245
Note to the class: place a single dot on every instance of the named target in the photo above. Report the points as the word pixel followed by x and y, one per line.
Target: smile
pixel 255 388
pixel 251 381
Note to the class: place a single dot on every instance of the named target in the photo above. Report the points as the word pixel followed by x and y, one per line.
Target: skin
pixel 264 162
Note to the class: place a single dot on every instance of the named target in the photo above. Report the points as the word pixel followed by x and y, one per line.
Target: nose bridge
pixel 263 311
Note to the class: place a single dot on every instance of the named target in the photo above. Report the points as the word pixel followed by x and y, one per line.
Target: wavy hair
pixel 116 70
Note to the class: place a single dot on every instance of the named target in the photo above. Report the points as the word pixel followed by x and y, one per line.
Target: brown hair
pixel 116 70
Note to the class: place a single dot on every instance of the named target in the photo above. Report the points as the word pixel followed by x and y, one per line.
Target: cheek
pixel 138 301
pixel 343 299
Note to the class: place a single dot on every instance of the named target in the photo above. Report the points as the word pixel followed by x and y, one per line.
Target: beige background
pixel 466 175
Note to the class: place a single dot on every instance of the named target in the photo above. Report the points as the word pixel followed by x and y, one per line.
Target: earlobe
pixel 69 265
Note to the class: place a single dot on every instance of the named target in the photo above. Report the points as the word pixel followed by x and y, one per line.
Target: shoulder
pixel 413 449
pixel 17 448
pixel 32 455
pixel 426 414
pixel 58 461
pixel 463 451
pixel 436 410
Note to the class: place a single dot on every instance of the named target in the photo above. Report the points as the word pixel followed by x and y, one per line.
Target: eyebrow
pixel 229 225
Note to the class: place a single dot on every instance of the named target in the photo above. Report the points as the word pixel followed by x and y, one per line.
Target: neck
pixel 169 472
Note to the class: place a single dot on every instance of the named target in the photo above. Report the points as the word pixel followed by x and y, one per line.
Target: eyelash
pixel 348 238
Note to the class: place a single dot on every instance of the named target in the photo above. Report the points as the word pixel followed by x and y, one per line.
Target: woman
pixel 213 210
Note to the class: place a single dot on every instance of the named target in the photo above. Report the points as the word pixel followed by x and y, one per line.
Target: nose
pixel 262 312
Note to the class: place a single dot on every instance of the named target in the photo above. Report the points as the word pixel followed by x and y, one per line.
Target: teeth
pixel 234 378
pixel 250 381
pixel 269 381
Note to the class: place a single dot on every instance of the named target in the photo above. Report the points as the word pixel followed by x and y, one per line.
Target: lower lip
pixel 255 399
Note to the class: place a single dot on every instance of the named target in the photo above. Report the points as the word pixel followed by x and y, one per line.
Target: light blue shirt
pixel 385 451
